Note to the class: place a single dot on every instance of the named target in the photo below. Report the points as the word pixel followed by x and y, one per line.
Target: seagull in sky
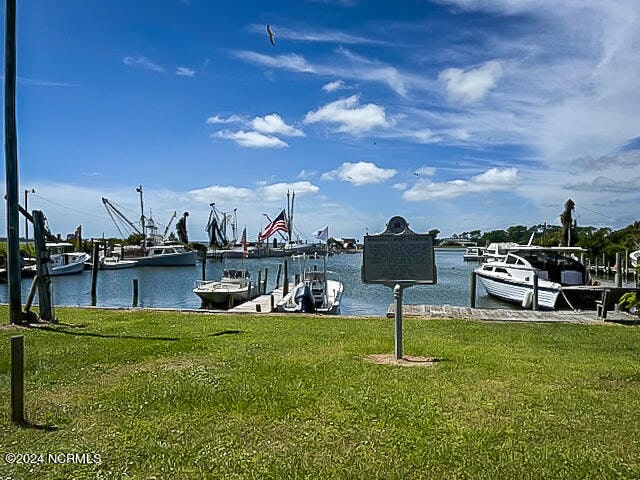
pixel 416 174
pixel 271 35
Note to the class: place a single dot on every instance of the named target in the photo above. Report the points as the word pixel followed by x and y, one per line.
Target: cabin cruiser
pixel 473 254
pixel 316 293
pixel 563 281
pixel 63 261
pixel 233 288
pixel 167 255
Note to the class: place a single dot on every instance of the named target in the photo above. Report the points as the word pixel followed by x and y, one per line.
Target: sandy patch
pixel 405 361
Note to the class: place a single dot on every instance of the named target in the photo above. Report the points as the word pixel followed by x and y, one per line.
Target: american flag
pixel 277 225
pixel 245 252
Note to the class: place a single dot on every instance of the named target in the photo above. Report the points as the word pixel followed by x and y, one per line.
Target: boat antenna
pixel 531 239
pixel 142 221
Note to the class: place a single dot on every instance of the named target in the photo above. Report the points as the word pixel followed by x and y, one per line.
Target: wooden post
pixel 271 303
pixel 11 166
pixel 17 379
pixel 204 265
pixel 264 287
pixel 618 277
pixel 472 291
pixel 285 280
pixel 278 275
pixel 94 272
pixel 534 302
pixel 135 292
pixel 259 282
pixel 45 297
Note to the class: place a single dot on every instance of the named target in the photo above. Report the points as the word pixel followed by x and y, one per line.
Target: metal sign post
pixel 399 258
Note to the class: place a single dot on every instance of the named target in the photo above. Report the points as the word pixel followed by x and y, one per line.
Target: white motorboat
pixel 497 251
pixel 562 279
pixel 634 256
pixel 233 288
pixel 473 254
pixel 63 261
pixel 316 293
pixel 114 262
pixel 167 255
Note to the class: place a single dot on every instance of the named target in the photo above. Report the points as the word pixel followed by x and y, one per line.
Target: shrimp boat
pixel 316 292
pixel 233 288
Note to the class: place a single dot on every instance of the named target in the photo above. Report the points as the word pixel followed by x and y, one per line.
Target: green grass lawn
pixel 170 395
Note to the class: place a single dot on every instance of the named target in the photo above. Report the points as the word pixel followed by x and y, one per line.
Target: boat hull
pixel 220 294
pixel 182 259
pixel 519 292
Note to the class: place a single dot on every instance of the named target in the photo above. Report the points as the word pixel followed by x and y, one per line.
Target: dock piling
pixel 534 303
pixel 278 275
pixel 135 292
pixel 285 281
pixel 618 276
pixel 17 379
pixel 472 291
pixel 94 272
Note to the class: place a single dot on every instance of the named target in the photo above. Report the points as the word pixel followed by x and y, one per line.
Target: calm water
pixel 172 287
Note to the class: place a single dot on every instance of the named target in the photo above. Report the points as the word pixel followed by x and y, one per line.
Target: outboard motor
pixel 305 299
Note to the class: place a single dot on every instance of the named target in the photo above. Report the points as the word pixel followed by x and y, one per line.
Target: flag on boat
pixel 243 241
pixel 322 234
pixel 277 225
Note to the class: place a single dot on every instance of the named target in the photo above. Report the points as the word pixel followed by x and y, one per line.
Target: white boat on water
pixel 316 293
pixel 63 261
pixel 634 256
pixel 167 255
pixel 233 288
pixel 562 279
pixel 114 262
pixel 473 254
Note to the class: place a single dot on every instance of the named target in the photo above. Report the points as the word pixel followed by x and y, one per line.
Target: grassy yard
pixel 169 395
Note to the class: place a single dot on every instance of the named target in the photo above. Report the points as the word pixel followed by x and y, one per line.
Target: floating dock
pixel 260 304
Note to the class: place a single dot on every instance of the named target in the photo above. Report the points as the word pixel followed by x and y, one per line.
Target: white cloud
pixel 399 186
pixel 217 119
pixel 360 173
pixel 143 63
pixel 273 124
pixel 278 191
pixel 494 179
pixel 307 173
pixel 471 85
pixel 292 61
pixel 333 86
pixel 426 171
pixel 350 116
pixel 252 139
pixel 185 72
pixel 220 193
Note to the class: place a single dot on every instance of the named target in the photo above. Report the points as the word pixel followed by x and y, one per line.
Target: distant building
pixel 457 241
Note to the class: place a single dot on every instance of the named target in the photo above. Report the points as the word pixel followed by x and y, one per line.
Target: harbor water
pixel 171 287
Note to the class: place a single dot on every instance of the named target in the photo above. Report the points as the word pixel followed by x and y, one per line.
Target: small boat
pixel 316 293
pixel 473 254
pixel 634 256
pixel 168 255
pixel 114 262
pixel 64 262
pixel 563 281
pixel 233 288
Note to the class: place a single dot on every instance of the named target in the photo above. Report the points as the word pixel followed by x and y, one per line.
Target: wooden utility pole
pixel 11 164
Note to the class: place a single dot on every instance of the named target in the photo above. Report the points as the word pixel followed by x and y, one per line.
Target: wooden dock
pixel 507 315
pixel 260 304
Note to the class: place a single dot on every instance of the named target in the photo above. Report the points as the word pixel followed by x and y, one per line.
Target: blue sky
pixel 456 114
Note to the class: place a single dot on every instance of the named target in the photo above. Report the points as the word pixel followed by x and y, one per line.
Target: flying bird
pixel 271 35
pixel 416 174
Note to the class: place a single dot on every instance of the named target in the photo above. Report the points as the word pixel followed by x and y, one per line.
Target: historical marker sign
pixel 399 256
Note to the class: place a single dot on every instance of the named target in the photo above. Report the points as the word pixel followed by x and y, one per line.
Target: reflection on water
pixel 171 287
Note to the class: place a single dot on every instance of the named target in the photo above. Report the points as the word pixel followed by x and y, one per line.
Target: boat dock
pixel 260 304
pixel 507 315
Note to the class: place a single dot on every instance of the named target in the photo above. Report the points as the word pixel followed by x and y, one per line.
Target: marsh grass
pixel 170 395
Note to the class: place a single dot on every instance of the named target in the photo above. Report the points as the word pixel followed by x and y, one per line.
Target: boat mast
pixel 142 221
